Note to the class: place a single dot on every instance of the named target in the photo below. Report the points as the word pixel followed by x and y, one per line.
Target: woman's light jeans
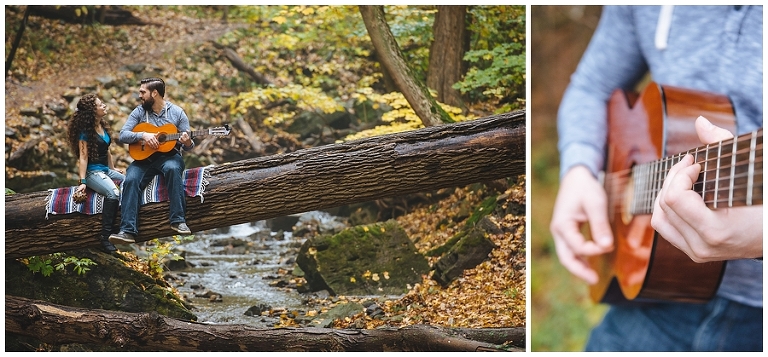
pixel 102 183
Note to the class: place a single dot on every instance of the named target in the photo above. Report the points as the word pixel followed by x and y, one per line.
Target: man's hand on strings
pixel 682 218
pixel 185 139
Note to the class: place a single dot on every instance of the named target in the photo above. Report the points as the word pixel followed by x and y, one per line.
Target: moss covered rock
pixel 374 259
pixel 109 285
pixel 471 249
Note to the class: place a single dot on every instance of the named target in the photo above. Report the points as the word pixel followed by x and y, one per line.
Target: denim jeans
pixel 719 325
pixel 102 183
pixel 138 176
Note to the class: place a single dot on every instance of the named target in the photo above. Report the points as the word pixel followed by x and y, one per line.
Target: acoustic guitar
pixel 648 133
pixel 168 134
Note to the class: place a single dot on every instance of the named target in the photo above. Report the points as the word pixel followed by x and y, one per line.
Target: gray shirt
pixel 717 49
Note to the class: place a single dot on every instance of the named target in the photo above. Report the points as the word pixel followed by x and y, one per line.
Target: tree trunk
pixel 16 41
pixel 322 177
pixel 57 324
pixel 391 58
pixel 446 55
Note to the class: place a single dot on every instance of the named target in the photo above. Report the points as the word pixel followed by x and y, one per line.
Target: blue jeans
pixel 138 176
pixel 719 325
pixel 101 182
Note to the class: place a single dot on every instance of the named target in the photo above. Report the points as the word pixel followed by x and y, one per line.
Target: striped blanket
pixel 59 200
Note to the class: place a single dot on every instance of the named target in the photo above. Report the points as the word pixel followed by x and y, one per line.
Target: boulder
pixel 349 309
pixel 470 250
pixel 376 259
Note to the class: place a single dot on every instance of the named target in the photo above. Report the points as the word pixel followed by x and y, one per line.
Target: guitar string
pixel 677 158
pixel 643 202
pixel 619 206
pixel 618 181
pixel 620 177
pixel 621 182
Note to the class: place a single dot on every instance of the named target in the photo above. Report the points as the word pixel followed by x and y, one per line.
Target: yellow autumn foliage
pixel 305 98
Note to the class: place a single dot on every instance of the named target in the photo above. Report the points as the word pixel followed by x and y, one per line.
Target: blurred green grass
pixel 562 313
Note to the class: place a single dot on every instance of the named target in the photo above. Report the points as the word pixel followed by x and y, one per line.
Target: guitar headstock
pixel 220 131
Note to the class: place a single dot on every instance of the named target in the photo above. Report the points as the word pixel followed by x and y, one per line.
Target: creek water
pixel 241 278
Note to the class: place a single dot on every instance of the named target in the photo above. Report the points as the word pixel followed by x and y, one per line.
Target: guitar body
pixel 643 266
pixel 167 135
pixel 140 151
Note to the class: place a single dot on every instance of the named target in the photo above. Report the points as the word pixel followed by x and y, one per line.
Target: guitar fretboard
pixel 176 136
pixel 731 174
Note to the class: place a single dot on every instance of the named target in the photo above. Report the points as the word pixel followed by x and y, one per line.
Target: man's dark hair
pixel 155 84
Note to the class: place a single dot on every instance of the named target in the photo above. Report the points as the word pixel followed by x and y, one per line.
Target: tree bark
pixel 446 55
pixel 391 58
pixel 321 177
pixel 57 324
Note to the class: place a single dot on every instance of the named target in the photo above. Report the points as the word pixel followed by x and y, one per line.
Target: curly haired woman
pixel 88 136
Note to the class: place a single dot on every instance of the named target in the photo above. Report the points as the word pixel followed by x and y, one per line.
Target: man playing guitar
pixel 155 110
pixel 707 48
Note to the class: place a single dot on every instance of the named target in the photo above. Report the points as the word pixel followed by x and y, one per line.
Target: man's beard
pixel 147 104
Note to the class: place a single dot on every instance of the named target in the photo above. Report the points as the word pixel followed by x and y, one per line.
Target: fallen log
pixel 254 140
pixel 327 176
pixel 58 324
pixel 238 63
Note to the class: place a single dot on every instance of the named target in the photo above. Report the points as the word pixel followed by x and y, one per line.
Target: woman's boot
pixel 108 215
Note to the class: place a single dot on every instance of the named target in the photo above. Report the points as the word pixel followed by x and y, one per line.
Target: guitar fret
pixel 740 175
pixel 648 186
pixel 650 176
pixel 176 136
pixel 751 172
pixel 660 174
pixel 717 171
pixel 649 173
pixel 734 146
pixel 704 181
pixel 639 180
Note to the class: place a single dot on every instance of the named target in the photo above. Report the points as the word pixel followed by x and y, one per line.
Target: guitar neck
pixel 176 136
pixel 731 174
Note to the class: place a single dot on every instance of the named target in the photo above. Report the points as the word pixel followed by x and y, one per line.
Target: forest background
pixel 308 60
pixel 562 314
